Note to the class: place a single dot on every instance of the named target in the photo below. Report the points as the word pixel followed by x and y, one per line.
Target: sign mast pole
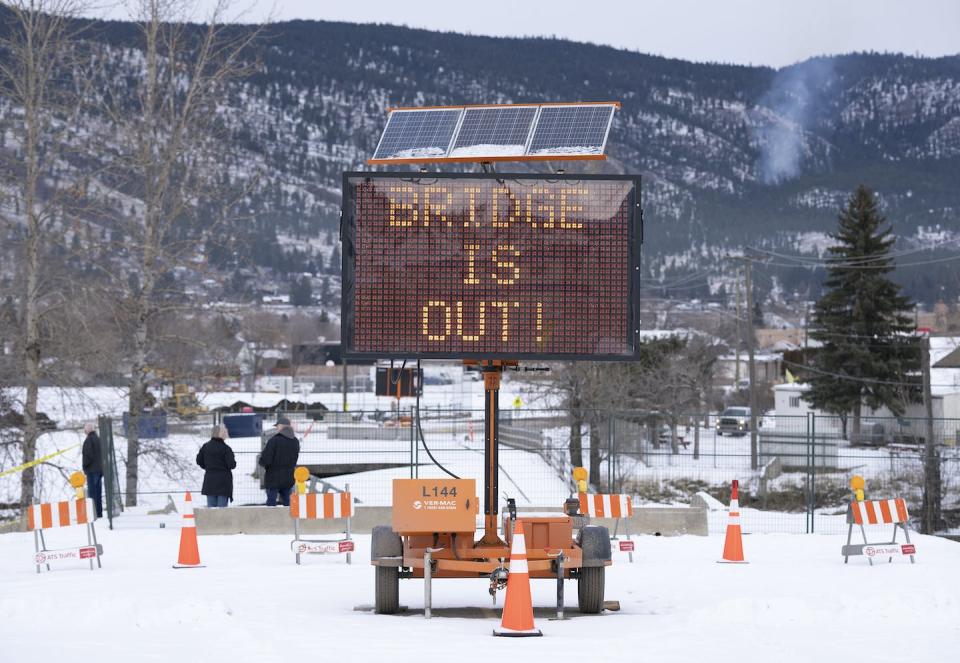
pixel 492 371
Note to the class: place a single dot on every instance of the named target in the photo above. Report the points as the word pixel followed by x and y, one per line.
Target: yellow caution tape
pixel 25 466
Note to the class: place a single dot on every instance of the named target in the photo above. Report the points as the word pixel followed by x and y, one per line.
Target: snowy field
pixel 795 601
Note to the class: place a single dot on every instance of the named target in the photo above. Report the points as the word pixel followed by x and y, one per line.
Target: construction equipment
pixel 440 515
pixel 184 402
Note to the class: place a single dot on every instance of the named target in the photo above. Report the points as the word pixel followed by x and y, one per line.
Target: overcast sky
pixel 770 32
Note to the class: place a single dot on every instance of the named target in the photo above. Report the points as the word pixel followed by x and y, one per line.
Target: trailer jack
pixel 498 580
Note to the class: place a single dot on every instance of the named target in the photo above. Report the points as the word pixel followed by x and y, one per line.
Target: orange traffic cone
pixel 733 546
pixel 189 557
pixel 517 618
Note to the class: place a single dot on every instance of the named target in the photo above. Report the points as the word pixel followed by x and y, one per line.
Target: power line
pixel 679 281
pixel 853 378
pixel 840 264
pixel 864 259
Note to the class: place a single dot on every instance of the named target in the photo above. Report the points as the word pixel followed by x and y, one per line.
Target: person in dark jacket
pixel 279 459
pixel 216 458
pixel 93 467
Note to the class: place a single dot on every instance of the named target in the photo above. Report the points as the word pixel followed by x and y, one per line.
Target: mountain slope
pixel 730 155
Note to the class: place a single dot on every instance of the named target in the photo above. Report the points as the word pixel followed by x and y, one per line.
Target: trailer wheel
pixel 387 598
pixel 594 540
pixel 384 542
pixel 590 589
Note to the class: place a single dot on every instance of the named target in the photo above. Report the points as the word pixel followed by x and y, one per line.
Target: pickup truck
pixel 734 421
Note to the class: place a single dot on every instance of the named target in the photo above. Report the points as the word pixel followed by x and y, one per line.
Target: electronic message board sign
pixel 490 265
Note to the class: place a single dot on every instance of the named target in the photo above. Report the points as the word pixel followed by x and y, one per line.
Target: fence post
pixel 413 432
pixel 109 457
pixel 813 474
pixel 610 456
pixel 714 443
pixel 809 481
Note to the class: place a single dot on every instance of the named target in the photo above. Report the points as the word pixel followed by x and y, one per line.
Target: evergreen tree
pixel 333 265
pixel 301 292
pixel 757 315
pixel 868 352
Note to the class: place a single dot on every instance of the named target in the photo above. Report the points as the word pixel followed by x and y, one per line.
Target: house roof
pixel 950 360
pixel 759 356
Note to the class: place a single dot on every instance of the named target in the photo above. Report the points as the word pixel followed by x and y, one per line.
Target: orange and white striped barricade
pixel 616 506
pixel 322 506
pixel 878 512
pixel 49 515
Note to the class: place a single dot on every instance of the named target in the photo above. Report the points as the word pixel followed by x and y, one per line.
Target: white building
pixel 945 391
pixel 789 401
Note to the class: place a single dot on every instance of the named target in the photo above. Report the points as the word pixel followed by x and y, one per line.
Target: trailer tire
pixel 594 541
pixel 384 542
pixel 387 590
pixel 590 589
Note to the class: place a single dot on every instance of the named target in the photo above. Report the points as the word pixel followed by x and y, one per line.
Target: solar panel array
pixel 496 133
pixel 418 134
pixel 570 129
pixel 489 131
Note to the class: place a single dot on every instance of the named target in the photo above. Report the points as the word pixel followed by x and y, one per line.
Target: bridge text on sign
pixel 488 266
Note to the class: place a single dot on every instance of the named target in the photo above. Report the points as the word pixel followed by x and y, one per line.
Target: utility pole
pixel 736 365
pixel 751 355
pixel 748 269
pixel 930 518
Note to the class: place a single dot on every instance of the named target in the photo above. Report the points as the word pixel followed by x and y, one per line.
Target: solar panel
pixel 571 130
pixel 511 132
pixel 418 134
pixel 494 131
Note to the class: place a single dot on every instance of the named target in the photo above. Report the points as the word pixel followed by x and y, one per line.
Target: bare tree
pixel 42 82
pixel 262 331
pixel 671 378
pixel 171 140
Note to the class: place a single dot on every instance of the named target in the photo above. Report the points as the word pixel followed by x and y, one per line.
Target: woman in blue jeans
pixel 216 457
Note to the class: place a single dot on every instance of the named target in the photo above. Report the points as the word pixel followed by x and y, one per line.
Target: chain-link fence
pixel 796 480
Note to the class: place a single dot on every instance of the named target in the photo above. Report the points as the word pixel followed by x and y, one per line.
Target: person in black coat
pixel 93 467
pixel 279 459
pixel 216 457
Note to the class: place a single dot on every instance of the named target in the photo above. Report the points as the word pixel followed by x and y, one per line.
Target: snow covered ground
pixel 795 601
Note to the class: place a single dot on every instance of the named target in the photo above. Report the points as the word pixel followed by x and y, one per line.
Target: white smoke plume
pixel 793 96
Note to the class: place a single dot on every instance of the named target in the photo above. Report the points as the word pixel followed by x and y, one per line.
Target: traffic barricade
pixel 616 506
pixel 49 515
pixel 321 506
pixel 862 512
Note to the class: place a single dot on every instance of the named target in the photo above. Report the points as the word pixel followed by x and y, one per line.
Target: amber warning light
pixel 490 266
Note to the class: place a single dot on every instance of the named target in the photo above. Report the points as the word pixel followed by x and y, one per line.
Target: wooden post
pixel 930 518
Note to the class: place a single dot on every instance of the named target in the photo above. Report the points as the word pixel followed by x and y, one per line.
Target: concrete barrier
pixel 794 449
pixel 668 521
pixel 276 520
pixel 15 525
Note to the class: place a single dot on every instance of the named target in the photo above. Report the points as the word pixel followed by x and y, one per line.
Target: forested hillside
pixel 730 155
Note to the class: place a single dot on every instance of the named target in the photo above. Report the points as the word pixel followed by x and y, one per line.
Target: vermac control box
pixel 425 506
